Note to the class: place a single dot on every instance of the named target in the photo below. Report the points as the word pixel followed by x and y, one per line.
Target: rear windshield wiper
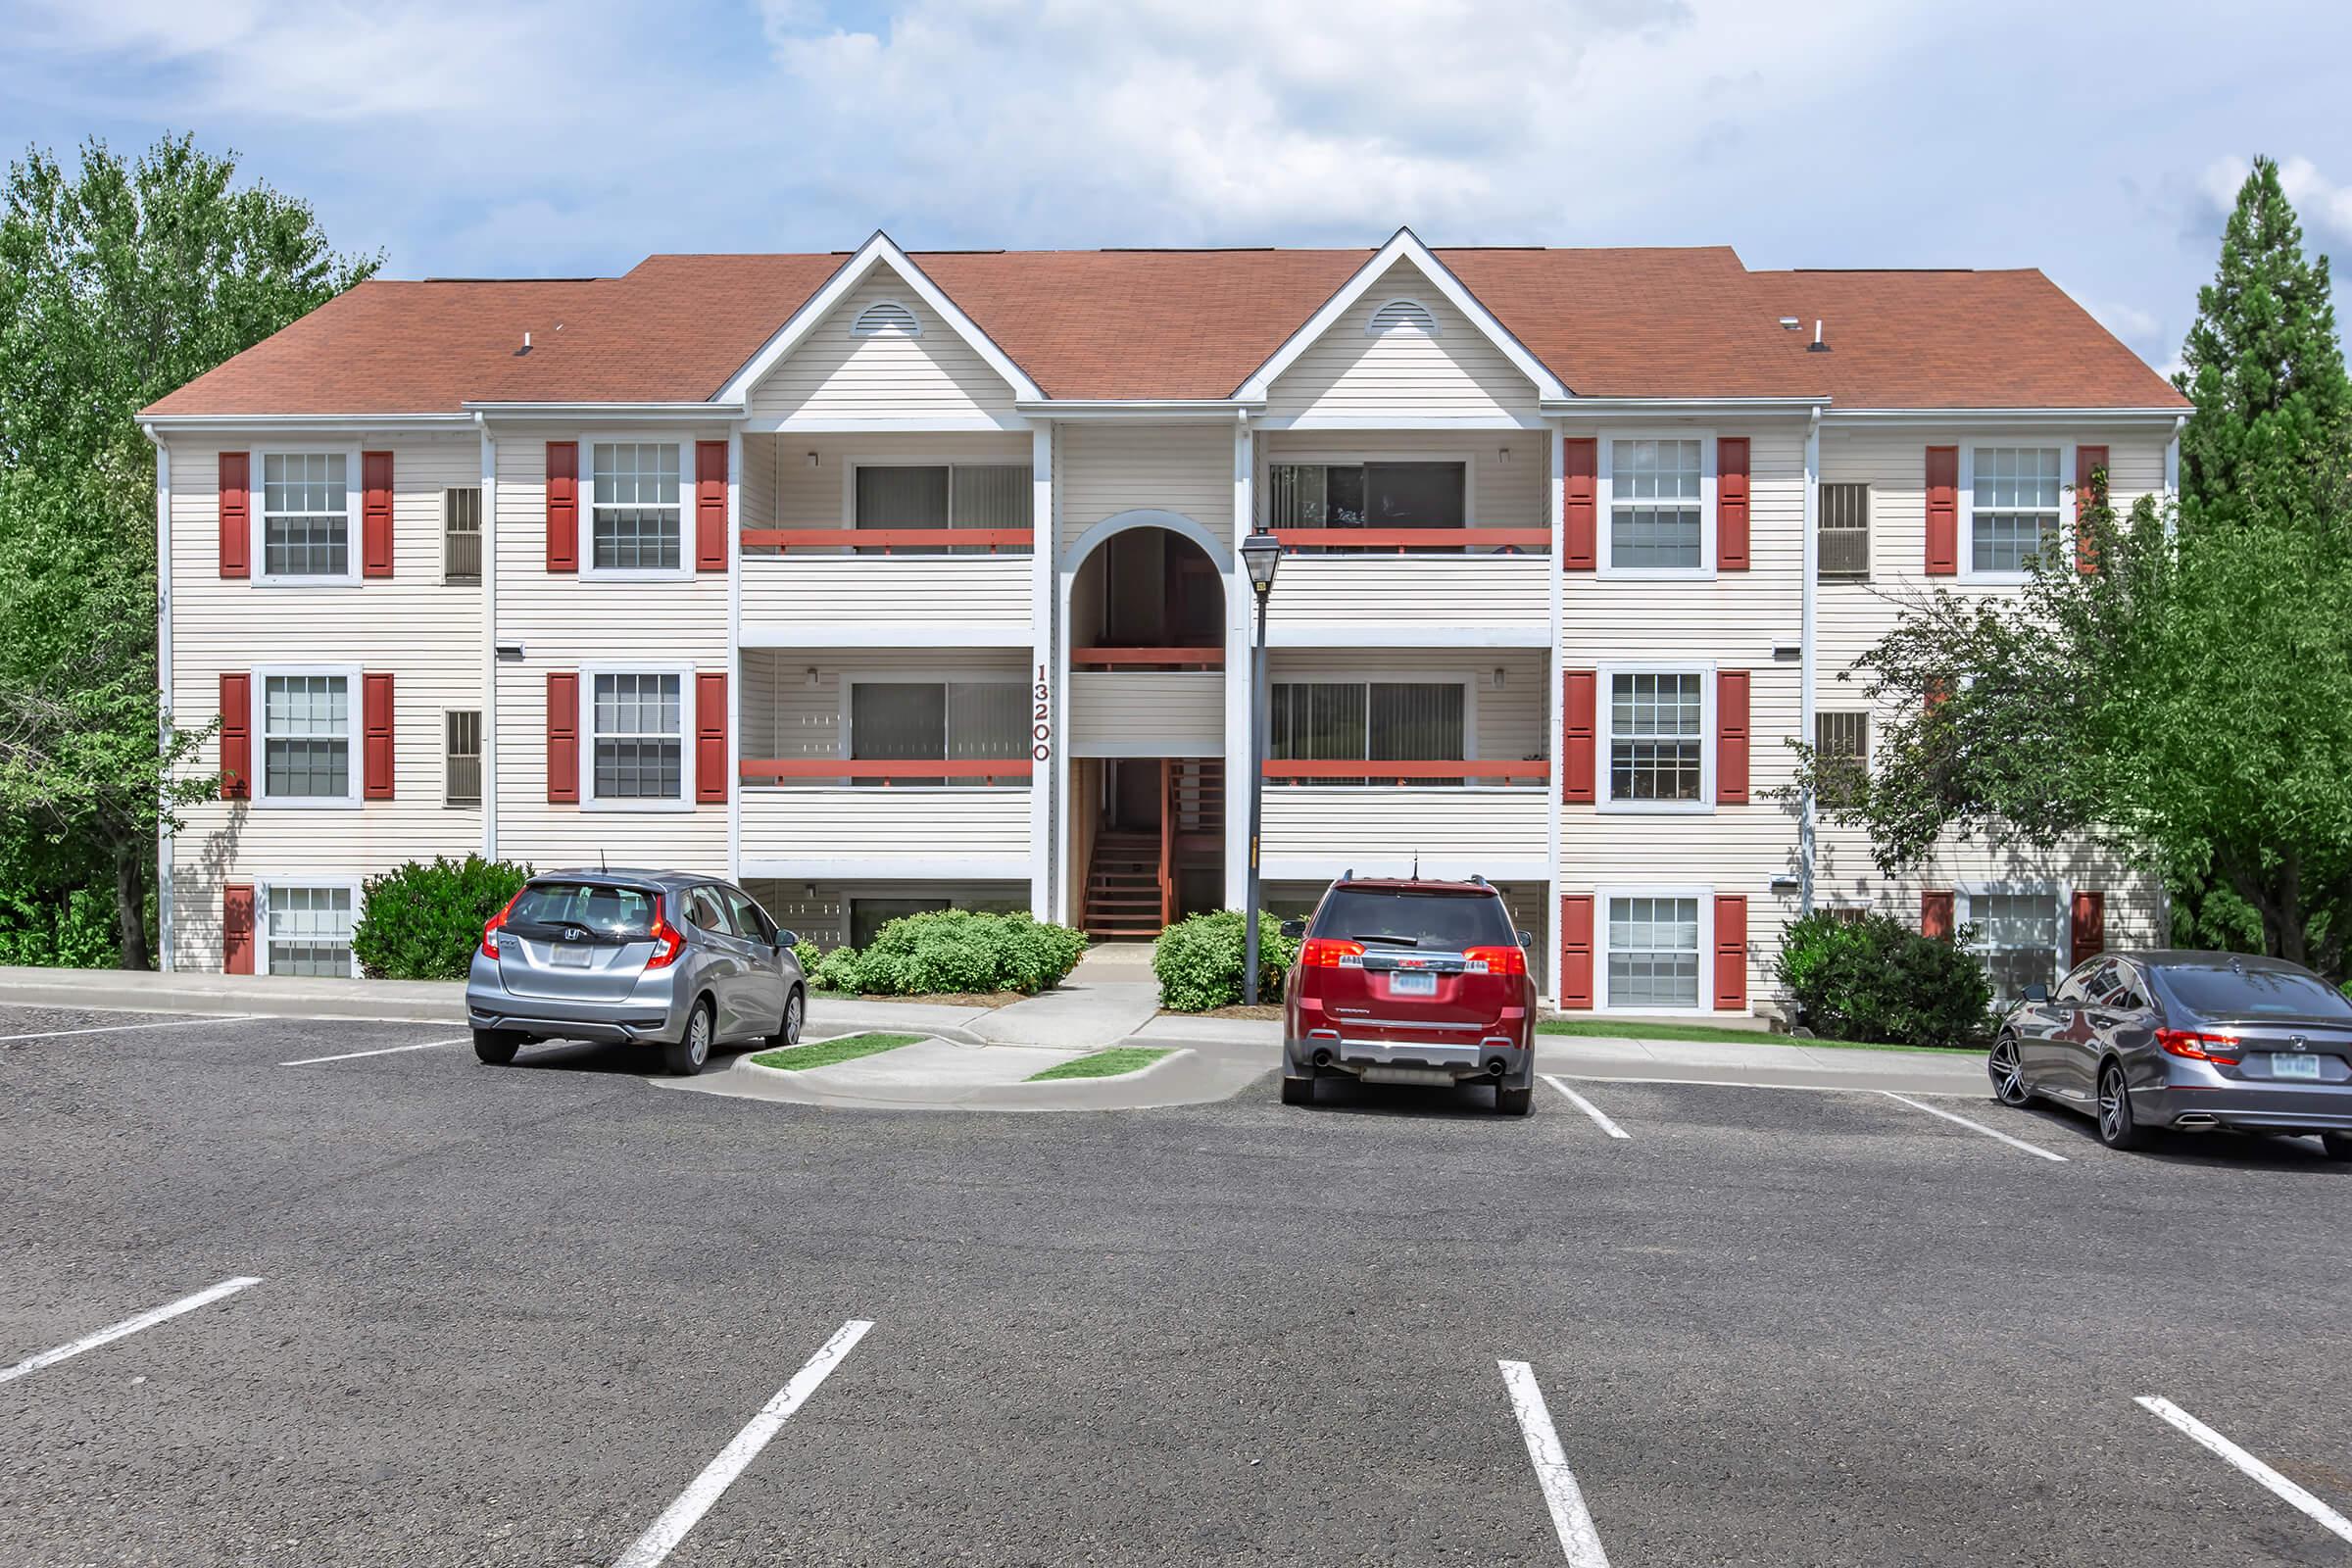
pixel 1401 941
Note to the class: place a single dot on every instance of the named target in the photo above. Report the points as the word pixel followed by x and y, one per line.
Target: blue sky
pixel 2099 142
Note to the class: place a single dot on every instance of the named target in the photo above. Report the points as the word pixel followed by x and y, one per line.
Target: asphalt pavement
pixel 549 1314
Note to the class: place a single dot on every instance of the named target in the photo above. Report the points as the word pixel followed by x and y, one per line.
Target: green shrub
pixel 1877 979
pixel 76 932
pixel 1199 961
pixel 422 922
pixel 948 951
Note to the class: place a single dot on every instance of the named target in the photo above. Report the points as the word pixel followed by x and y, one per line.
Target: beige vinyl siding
pixel 1137 713
pixel 1383 831
pixel 818 913
pixel 565 620
pixel 1349 374
pixel 832 375
pixel 1102 470
pixel 796 493
pixel 428 636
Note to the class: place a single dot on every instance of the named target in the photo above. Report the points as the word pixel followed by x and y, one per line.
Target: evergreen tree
pixel 2264 367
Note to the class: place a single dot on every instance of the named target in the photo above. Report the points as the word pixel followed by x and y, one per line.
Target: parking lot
pixel 433 1313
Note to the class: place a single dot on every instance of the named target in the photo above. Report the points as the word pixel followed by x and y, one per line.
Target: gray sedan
pixel 2188 1041
pixel 686 962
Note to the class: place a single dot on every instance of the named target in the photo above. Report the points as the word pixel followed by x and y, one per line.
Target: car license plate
pixel 1406 984
pixel 2283 1067
pixel 570 958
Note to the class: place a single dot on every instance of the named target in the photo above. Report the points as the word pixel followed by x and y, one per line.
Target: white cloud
pixel 2325 207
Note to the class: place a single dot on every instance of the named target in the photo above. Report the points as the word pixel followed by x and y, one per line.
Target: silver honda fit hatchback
pixel 662 958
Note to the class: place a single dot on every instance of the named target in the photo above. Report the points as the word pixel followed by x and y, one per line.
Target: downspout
pixel 489 638
pixel 1805 828
pixel 163 682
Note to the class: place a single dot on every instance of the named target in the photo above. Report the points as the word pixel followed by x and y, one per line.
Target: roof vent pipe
pixel 1817 346
pixel 526 346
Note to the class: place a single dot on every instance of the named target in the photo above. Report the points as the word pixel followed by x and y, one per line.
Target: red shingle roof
pixel 1632 322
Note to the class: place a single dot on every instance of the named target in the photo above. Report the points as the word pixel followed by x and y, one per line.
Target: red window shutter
pixel 563 507
pixel 236 735
pixel 1578 705
pixel 1576 949
pixel 2090 925
pixel 1937 695
pixel 711 506
pixel 236 928
pixel 1580 515
pixel 375 513
pixel 1731 504
pixel 1731 737
pixel 564 736
pixel 1935 914
pixel 236 515
pixel 375 736
pixel 1731 952
pixel 1943 512
pixel 710 738
pixel 2087 462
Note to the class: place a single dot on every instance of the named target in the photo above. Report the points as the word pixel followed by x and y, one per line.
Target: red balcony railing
pixel 985 769
pixel 887 541
pixel 1160 658
pixel 1296 771
pixel 1503 541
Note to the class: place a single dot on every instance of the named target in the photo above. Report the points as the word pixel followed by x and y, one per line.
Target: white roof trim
pixel 1406 246
pixel 1997 416
pixel 879 251
pixel 307 421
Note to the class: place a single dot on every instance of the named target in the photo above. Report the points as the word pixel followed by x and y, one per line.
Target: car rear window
pixel 606 910
pixel 1445 921
pixel 2254 993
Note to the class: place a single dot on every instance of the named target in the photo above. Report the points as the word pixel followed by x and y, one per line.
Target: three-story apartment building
pixel 882 583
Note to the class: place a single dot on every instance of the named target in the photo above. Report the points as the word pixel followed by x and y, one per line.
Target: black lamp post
pixel 1261 553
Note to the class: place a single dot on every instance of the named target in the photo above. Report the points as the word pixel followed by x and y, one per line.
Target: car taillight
pixel 1325 952
pixel 490 926
pixel 1496 960
pixel 668 940
pixel 2222 1049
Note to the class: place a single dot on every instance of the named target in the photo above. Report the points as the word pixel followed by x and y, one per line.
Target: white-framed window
pixel 461 535
pixel 305 517
pixel 462 757
pixel 2015 501
pixel 1657 751
pixel 2020 932
pixel 937 721
pixel 943 495
pixel 1657 505
pixel 306 929
pixel 1376 720
pixel 305 720
pixel 636 509
pixel 1655 942
pixel 1841 753
pixel 635 738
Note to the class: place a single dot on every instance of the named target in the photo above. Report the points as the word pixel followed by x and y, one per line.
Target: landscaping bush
pixel 1877 979
pixel 1199 961
pixel 951 951
pixel 422 922
pixel 75 933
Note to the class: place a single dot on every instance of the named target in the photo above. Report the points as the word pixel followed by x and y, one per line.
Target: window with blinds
pixel 932 721
pixel 1843 531
pixel 951 495
pixel 462 758
pixel 461 536
pixel 1367 495
pixel 1379 722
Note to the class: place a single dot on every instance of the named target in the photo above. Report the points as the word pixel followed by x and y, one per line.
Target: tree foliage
pixel 118 283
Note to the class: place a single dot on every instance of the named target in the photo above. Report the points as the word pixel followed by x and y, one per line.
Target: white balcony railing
pixel 886 587
pixel 885 829
pixel 1506 587
pixel 1497 830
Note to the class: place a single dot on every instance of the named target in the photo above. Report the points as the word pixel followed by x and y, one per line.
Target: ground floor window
pixel 309 930
pixel 2016 934
pixel 867 916
pixel 1653 952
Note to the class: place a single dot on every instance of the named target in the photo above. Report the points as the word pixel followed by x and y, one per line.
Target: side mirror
pixel 1527 940
pixel 1292 929
pixel 786 941
pixel 2037 992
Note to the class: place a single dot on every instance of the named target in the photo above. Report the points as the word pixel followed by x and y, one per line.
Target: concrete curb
pixel 1184 1077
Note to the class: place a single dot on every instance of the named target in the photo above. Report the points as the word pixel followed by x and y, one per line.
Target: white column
pixel 1047 826
pixel 489 523
pixel 1806 829
pixel 163 679
pixel 1239 608
pixel 1556 491
pixel 735 651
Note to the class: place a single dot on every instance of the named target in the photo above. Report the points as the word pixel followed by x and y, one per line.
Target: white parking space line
pixel 129 1326
pixel 1578 1540
pixel 2286 1491
pixel 682 1515
pixel 118 1028
pixel 384 1050
pixel 1976 1126
pixel 1587 1107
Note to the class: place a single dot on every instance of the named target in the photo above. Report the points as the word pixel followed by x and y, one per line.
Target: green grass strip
pixel 1111 1064
pixel 1629 1029
pixel 825 1052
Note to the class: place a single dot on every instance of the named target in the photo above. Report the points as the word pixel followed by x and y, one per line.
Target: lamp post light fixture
pixel 1261 554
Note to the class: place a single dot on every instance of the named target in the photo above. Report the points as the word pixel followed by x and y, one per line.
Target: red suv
pixel 1410 982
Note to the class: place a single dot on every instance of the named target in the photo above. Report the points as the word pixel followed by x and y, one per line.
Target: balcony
pixel 887 587
pixel 1452 819
pixel 817 817
pixel 1411 587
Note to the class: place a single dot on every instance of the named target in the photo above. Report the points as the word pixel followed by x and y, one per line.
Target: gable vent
pixel 1402 316
pixel 886 318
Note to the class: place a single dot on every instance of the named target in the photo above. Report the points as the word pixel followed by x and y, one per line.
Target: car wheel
pixel 2008 1072
pixel 1298 1091
pixel 685 1056
pixel 494 1045
pixel 2337 1144
pixel 788 1032
pixel 2118 1129
pixel 1514 1101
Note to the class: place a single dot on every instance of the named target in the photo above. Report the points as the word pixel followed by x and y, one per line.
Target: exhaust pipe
pixel 2195 1121
pixel 1322 1058
pixel 1494 1067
